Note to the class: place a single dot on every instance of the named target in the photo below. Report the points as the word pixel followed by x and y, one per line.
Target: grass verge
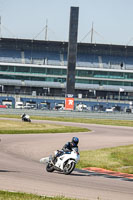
pixel 4 195
pixel 80 120
pixel 88 121
pixel 19 127
pixel 116 159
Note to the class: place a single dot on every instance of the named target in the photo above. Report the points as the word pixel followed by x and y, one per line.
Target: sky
pixel 112 20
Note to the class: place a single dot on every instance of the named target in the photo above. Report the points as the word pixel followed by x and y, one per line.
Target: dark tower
pixel 72 51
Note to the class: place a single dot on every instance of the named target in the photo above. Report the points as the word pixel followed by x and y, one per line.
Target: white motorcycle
pixel 25 118
pixel 65 163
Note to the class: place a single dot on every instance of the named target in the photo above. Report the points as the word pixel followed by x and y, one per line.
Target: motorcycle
pixel 25 118
pixel 65 163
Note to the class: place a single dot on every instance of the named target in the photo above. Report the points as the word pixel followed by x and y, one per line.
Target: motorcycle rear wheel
pixel 68 168
pixel 49 167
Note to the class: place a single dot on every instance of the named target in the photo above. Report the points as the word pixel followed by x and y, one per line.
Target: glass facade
pixel 33 70
pixel 88 76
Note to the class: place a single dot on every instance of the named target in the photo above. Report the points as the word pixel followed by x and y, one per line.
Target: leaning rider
pixel 68 147
pixel 23 115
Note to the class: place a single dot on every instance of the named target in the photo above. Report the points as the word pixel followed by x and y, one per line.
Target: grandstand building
pixel 34 67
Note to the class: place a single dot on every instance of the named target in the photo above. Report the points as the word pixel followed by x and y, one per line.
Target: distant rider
pixel 68 147
pixel 23 115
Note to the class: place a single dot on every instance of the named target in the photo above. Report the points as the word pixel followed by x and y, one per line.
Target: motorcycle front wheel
pixel 49 167
pixel 68 168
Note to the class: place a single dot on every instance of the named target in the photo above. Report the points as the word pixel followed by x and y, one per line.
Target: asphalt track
pixel 20 169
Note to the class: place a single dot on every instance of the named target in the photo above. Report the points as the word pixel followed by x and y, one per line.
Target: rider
pixel 68 147
pixel 23 115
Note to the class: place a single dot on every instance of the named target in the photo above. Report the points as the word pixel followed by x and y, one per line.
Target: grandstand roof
pixel 40 45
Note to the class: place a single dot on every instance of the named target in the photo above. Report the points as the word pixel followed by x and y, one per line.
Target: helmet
pixel 75 141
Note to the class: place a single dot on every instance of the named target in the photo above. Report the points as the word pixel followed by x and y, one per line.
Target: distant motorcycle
pixel 65 163
pixel 25 118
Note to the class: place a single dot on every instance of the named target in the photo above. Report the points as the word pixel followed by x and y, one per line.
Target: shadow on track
pixel 7 171
pixel 90 173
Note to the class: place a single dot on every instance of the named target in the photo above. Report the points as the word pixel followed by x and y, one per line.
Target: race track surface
pixel 20 169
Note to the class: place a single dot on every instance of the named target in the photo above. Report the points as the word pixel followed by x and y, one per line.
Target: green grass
pixel 89 121
pixel 116 159
pixel 23 196
pixel 19 127
pixel 80 120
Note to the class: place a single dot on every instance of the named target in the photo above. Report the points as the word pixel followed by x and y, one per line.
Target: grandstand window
pixel 63 71
pixel 84 73
pixel 129 75
pixel 22 78
pixel 103 82
pixel 50 79
pixel 5 77
pixel 116 75
pixel 55 79
pixel 54 71
pixel 14 77
pixel 22 69
pixel 128 84
pixel 11 69
pixel 3 68
pixel 100 74
pixel 84 81
pixel 38 70
pixel 7 68
pixel 116 83
pixel 100 82
pixel 38 79
pixel 60 80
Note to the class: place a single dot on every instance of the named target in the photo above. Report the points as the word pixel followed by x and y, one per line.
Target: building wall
pixel 101 70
